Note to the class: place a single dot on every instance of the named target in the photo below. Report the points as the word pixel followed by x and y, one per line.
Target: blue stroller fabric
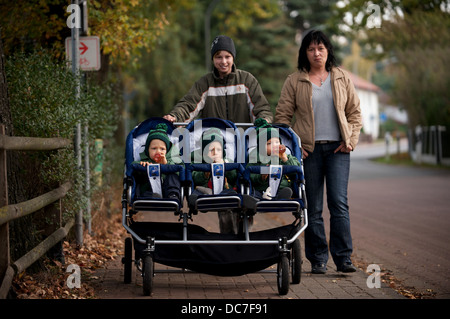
pixel 293 147
pixel 227 199
pixel 135 144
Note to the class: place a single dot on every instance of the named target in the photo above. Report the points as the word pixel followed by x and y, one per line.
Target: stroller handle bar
pixel 165 168
pixel 286 169
pixel 207 168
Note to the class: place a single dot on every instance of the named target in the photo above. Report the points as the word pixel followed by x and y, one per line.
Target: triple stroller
pixel 183 244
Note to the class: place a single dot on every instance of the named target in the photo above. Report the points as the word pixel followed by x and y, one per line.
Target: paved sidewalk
pixel 261 285
pixel 189 285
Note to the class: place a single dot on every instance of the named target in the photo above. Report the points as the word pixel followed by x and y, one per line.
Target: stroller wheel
pixel 127 260
pixel 283 275
pixel 147 275
pixel 296 262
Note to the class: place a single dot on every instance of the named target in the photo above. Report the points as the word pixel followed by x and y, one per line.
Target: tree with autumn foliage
pixel 412 40
pixel 124 26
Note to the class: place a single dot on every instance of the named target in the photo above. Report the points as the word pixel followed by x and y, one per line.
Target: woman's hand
pixel 304 153
pixel 344 149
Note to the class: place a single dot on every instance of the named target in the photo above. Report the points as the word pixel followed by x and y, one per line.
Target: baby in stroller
pixel 156 151
pixel 212 152
pixel 274 153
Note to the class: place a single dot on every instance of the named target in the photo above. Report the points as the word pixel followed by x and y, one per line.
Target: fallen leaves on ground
pixel 56 281
pixel 388 278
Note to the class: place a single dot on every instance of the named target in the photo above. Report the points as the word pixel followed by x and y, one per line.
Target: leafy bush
pixel 43 104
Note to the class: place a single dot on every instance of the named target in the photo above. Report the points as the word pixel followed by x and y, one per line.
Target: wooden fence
pixel 14 211
pixel 430 144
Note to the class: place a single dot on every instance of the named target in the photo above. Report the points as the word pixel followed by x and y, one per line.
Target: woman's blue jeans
pixel 324 167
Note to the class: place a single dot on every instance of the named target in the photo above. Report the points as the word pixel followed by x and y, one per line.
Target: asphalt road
pixel 400 220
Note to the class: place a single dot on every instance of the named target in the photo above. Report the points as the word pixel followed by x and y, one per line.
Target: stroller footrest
pixel 217 203
pixel 274 206
pixel 156 205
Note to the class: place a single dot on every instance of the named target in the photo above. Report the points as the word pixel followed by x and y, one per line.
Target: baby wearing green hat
pixel 157 146
pixel 213 152
pixel 156 151
pixel 274 154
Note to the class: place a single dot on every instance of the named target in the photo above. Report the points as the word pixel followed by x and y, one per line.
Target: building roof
pixel 361 83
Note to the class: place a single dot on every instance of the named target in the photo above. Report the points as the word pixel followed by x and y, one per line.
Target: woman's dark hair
pixel 317 37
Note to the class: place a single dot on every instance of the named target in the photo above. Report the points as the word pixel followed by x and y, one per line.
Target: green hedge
pixel 43 104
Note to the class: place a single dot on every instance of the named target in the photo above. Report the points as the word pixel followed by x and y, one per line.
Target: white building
pixel 370 106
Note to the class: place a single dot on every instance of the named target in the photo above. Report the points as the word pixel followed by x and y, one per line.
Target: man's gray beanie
pixel 222 42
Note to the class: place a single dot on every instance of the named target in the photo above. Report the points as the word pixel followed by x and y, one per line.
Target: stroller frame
pixel 288 246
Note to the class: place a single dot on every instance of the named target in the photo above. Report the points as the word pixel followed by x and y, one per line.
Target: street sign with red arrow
pixel 89 51
pixel 83 48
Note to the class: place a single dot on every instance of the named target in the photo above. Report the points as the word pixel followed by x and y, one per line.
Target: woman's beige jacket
pixel 295 107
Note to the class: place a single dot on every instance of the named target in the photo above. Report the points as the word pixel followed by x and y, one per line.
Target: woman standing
pixel 328 120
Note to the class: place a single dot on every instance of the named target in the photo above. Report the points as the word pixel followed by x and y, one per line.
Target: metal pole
pixel 87 179
pixel 76 72
pixel 439 130
pixel 79 214
pixel 76 54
